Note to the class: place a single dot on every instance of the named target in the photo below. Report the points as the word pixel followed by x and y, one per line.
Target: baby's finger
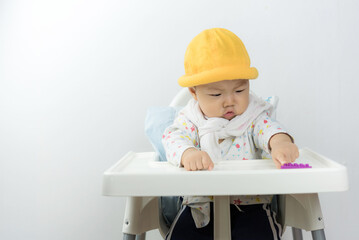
pixel 211 166
pixel 281 158
pixel 199 164
pixel 193 165
pixel 187 166
pixel 294 155
pixel 277 163
pixel 207 163
pixel 289 157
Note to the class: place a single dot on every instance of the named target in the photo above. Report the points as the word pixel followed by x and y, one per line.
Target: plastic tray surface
pixel 141 174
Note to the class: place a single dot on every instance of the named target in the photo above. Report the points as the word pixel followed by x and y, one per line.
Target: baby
pixel 224 121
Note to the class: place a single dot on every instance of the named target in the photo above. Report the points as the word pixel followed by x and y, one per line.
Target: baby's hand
pixel 193 159
pixel 283 150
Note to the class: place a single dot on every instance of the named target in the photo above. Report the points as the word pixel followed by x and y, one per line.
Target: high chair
pixel 144 179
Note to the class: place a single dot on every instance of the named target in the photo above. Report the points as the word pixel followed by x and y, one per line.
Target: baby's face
pixel 225 99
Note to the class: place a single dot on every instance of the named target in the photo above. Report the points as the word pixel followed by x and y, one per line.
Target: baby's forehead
pixel 226 84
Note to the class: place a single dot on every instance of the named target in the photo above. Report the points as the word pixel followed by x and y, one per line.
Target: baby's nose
pixel 229 100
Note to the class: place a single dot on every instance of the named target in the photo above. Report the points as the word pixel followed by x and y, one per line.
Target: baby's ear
pixel 192 90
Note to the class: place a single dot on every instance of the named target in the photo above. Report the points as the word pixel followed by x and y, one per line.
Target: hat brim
pixel 218 74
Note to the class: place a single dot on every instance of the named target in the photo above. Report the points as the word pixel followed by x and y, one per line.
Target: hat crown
pixel 214 55
pixel 213 48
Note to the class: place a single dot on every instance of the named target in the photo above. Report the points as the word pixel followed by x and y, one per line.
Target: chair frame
pixel 300 211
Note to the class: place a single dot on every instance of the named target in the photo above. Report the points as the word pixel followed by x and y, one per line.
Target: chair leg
pixel 318 234
pixel 134 237
pixel 297 233
pixel 129 236
pixel 141 236
pixel 222 218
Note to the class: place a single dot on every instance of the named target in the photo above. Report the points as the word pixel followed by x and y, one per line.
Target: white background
pixel 76 78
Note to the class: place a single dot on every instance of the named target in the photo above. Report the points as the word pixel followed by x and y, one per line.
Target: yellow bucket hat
pixel 214 55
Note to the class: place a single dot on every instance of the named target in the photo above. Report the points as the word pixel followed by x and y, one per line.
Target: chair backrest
pixel 181 98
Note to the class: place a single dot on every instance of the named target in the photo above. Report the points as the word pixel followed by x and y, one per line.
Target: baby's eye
pixel 238 91
pixel 215 95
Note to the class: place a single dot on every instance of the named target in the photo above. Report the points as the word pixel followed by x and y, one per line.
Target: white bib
pixel 211 130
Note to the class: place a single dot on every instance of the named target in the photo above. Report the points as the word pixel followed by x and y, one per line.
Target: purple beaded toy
pixel 295 166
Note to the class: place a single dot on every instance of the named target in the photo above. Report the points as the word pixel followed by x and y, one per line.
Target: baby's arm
pixel 271 137
pixel 283 150
pixel 181 142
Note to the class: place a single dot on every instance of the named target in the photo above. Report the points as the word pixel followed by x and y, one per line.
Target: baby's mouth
pixel 229 115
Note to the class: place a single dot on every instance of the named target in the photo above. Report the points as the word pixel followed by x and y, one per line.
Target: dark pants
pixel 254 222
